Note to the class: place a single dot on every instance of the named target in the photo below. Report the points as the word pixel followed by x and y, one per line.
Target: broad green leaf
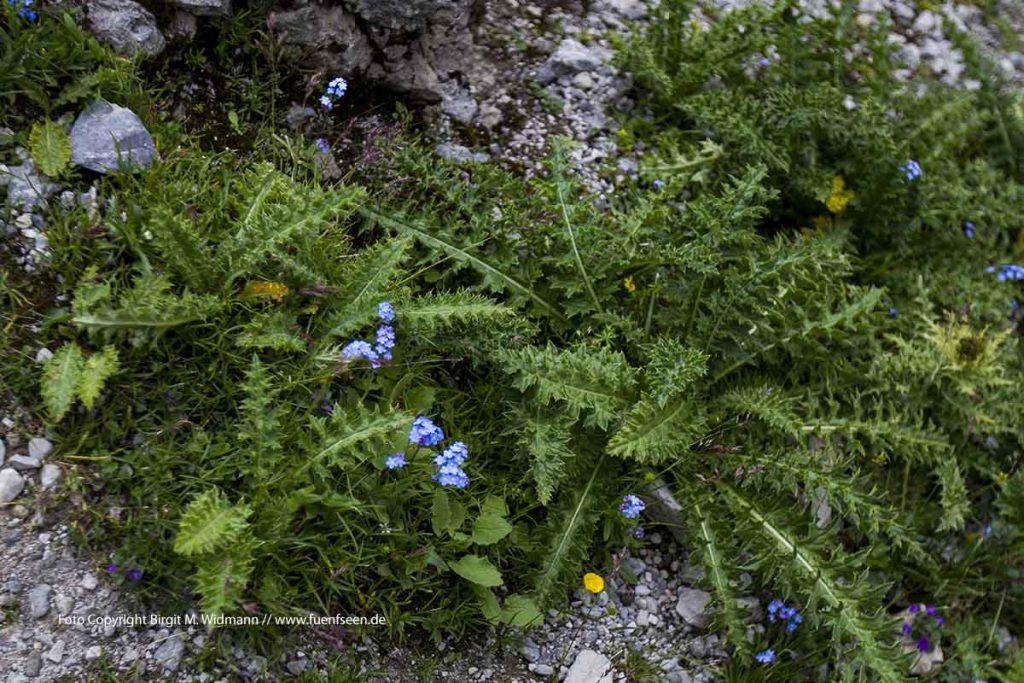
pixel 521 611
pixel 490 528
pixel 488 603
pixel 478 570
pixel 50 147
pixel 441 514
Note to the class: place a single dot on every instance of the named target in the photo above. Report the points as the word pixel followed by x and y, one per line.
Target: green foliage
pixel 50 147
pixel 829 383
pixel 70 374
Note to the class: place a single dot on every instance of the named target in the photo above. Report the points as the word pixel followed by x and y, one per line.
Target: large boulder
pixel 126 26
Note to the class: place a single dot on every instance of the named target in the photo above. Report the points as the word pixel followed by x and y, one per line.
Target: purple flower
pixel 658 184
pixel 23 9
pixel 134 574
pixel 631 506
pixel 939 621
pixel 913 608
pixel 395 462
pixel 969 230
pixel 930 609
pixel 906 628
pixel 321 144
pixel 893 312
pixel 923 644
pixel 639 532
pixel 111 567
pixel 452 476
pixel 424 432
pixel 773 608
pixel 765 657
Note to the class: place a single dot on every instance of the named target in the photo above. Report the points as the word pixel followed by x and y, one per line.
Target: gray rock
pixel 126 26
pixel 589 667
pixel 460 154
pixel 204 8
pixel 168 655
pixel 693 607
pixel 530 650
pixel 820 508
pixel 461 107
pixel 573 56
pixel 183 27
pixel 64 603
pixel 39 601
pixel 3 451
pixel 663 508
pixel 25 187
pixel 25 462
pixel 50 476
pixel 11 485
pixel 93 653
pixel 89 582
pixel 630 9
pixel 56 652
pixel 543 670
pixel 33 664
pixel 330 32
pixel 107 138
pixel 38 447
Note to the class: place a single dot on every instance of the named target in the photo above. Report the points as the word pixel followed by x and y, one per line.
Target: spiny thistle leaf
pixel 652 434
pixel 61 379
pixel 210 523
pixel 97 369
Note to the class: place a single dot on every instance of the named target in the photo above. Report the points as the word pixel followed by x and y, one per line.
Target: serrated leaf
pixel 211 522
pixel 478 570
pixel 97 369
pixel 50 147
pixel 61 380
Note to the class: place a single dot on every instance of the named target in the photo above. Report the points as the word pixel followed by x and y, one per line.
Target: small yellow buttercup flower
pixel 1002 477
pixel 593 583
pixel 629 284
pixel 840 196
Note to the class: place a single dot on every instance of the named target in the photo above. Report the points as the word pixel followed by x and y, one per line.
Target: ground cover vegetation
pixel 431 391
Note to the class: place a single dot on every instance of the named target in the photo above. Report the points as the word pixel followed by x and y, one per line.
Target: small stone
pixel 126 26
pixel 44 354
pixel 583 81
pixel 460 154
pixel 106 138
pixel 573 57
pixel 89 582
pixel 692 606
pixel 3 451
pixel 11 485
pixel 50 476
pixel 39 601
pixel 64 604
pixel 588 667
pixel 56 652
pixel 543 670
pixel 168 655
pixel 38 447
pixel 33 664
pixel 530 650
pixel 205 8
pixel 93 653
pixel 25 462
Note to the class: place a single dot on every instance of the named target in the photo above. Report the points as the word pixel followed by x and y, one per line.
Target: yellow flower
pixel 840 196
pixel 259 289
pixel 1002 477
pixel 629 284
pixel 593 583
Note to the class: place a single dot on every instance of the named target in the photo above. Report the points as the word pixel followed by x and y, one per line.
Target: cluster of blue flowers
pixel 322 145
pixel 335 91
pixel 911 170
pixel 395 461
pixel 631 506
pixel 658 184
pixel 1007 272
pixel 778 611
pixel 425 433
pixel 449 463
pixel 380 351
pixel 765 656
pixel 25 10
pixel 969 230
